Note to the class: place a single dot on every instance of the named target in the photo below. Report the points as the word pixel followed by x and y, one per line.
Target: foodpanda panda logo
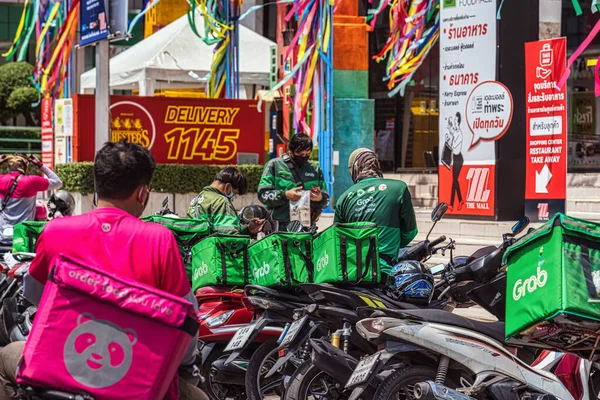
pixel 200 271
pixel 322 262
pixel 98 353
pixel 262 271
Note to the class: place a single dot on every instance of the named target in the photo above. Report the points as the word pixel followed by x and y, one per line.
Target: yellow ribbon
pixel 46 27
pixel 19 30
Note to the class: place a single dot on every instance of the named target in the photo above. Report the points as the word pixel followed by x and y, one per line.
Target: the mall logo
pixel 543 212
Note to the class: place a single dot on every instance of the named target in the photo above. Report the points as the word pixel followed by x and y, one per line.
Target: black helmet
pixel 60 204
pixel 409 282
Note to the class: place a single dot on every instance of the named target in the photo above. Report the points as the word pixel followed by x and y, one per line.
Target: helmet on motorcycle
pixel 60 204
pixel 410 283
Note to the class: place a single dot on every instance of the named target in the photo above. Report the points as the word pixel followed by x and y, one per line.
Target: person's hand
pixel 316 194
pixel 293 194
pixel 35 161
pixel 3 158
pixel 255 225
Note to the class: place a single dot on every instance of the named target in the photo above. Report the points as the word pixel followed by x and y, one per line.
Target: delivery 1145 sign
pixel 185 131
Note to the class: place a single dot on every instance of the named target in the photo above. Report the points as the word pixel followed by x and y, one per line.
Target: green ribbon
pixel 577 7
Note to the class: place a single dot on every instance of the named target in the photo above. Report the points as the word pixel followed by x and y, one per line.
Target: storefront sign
pixel 47 134
pixel 182 131
pixel 93 21
pixel 584 140
pixel 546 124
pixel 467 62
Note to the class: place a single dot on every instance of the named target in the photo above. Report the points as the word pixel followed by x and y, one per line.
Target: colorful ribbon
pixel 577 53
pixel 17 39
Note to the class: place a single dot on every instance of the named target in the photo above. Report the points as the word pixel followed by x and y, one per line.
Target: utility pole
pixel 102 93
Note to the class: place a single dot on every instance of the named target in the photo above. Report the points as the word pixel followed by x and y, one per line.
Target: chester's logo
pixel 132 122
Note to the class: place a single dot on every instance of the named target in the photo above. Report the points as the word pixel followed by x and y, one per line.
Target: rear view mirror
pixel 438 212
pixel 520 226
pixel 294 226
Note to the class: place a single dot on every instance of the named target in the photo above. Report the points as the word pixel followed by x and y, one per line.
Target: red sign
pixel 471 192
pixel 47 133
pixel 546 117
pixel 181 131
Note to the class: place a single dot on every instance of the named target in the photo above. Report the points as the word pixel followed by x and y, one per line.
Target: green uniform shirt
pixel 385 202
pixel 278 179
pixel 218 210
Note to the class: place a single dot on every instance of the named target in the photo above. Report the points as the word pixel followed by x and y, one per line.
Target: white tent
pixel 174 57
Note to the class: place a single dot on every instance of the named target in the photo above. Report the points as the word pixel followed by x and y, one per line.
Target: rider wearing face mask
pixel 215 204
pixel 111 237
pixel 283 177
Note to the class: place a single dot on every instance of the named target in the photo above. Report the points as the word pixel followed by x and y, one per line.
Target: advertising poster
pixel 468 60
pixel 546 122
pixel 584 141
pixel 177 131
pixel 47 133
pixel 93 21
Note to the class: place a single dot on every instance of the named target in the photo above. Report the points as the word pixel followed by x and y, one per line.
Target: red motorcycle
pixel 222 313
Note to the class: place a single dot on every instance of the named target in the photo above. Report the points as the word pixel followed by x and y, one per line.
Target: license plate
pixel 293 331
pixel 363 370
pixel 240 338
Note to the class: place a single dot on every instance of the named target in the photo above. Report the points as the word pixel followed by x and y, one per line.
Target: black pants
pixel 457 166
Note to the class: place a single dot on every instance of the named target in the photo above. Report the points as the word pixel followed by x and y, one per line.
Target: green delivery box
pixel 347 253
pixel 554 275
pixel 282 259
pixel 187 233
pixel 25 236
pixel 220 260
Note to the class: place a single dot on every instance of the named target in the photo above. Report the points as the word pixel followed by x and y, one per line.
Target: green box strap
pixel 344 258
pixel 359 272
pixel 289 274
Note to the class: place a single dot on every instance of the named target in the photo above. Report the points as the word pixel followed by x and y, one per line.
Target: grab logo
pixel 530 284
pixel 478 191
pixel 262 271
pixel 200 271
pixel 322 262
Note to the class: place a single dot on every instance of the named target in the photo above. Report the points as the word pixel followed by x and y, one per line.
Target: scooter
pixel 457 358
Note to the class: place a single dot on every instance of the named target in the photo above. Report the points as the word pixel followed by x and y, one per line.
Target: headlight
pixel 219 319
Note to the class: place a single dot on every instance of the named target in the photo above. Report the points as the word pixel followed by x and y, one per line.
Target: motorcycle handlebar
pixel 437 241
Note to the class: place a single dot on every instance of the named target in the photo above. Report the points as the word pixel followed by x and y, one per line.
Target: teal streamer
pixel 498 16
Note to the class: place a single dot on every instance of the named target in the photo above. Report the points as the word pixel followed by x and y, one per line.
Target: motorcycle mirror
pixel 294 226
pixel 439 211
pixel 520 226
pixel 436 215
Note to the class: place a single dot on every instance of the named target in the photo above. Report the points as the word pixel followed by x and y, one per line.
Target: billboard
pixel 546 117
pixel 470 101
pixel 177 131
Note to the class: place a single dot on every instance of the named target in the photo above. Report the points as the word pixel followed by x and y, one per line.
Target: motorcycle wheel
pixel 310 383
pixel 400 384
pixel 215 390
pixel 260 364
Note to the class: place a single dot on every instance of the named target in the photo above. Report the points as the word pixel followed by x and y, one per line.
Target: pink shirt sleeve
pixel 174 277
pixel 39 268
pixel 35 184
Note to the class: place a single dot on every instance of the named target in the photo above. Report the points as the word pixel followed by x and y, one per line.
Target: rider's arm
pixel 54 181
pixel 408 220
pixel 267 193
pixel 339 215
pixel 35 280
pixel 176 281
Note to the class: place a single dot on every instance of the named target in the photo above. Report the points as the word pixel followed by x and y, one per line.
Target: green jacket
pixel 278 179
pixel 218 210
pixel 387 203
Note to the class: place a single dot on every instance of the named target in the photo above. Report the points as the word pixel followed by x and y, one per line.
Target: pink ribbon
pixel 576 55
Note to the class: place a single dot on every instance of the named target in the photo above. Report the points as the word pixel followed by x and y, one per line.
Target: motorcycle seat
pixel 284 293
pixel 494 330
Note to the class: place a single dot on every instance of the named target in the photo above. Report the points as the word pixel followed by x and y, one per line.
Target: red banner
pixel 47 133
pixel 546 117
pixel 177 131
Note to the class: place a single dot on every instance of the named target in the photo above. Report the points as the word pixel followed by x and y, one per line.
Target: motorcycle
pixel 452 357
pixel 322 342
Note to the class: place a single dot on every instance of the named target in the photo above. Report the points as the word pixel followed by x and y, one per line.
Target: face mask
pixel 300 160
pixel 230 195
